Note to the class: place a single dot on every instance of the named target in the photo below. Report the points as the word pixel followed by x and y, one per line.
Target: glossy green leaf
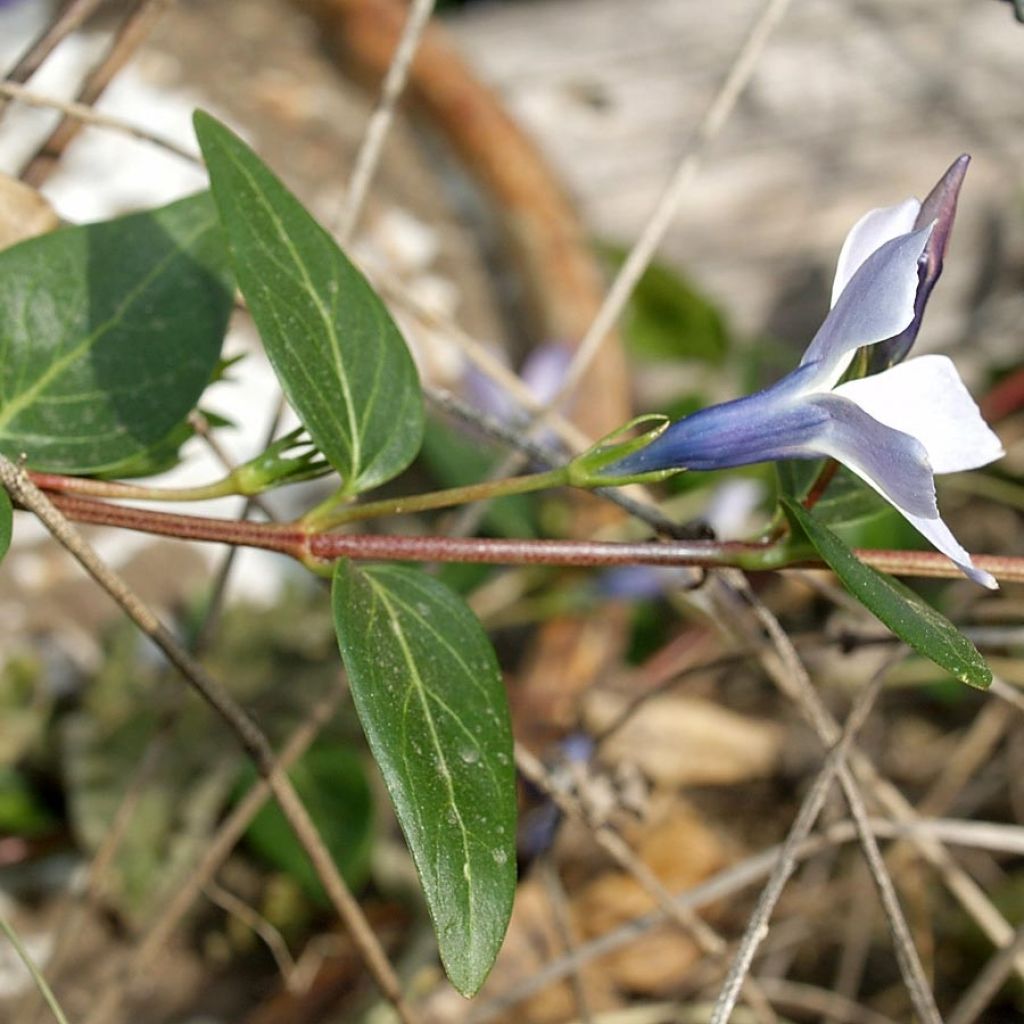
pixel 331 782
pixel 911 619
pixel 165 454
pixel 6 521
pixel 341 360
pixel 109 334
pixel 426 684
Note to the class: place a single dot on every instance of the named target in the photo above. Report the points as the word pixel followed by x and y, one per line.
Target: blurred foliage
pixel 331 781
pixel 22 813
pixel 668 318
pixel 134 726
pixel 25 708
pixel 455 460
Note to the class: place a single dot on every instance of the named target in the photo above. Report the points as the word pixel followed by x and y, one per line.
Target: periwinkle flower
pixel 895 429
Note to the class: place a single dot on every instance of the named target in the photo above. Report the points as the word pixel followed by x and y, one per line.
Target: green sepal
pixel 590 468
pixel 289 460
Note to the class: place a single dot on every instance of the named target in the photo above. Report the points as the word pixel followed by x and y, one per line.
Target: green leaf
pixel 6 521
pixel 426 685
pixel 162 456
pixel 341 360
pixel 108 334
pixel 911 619
pixel 332 784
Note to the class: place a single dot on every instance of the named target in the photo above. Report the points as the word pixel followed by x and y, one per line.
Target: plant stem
pixel 37 977
pixel 317 549
pixel 55 482
pixel 328 514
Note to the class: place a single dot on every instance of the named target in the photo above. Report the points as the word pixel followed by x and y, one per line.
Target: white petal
pixel 871 232
pixel 878 303
pixel 926 398
pixel 936 531
pixel 894 464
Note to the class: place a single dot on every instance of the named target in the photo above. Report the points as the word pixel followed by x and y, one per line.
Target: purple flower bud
pixel 939 208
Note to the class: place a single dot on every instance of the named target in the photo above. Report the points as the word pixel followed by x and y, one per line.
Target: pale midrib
pixel 329 325
pixel 11 410
pixel 420 688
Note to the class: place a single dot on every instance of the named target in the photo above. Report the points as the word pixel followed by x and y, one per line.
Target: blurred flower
pixel 895 429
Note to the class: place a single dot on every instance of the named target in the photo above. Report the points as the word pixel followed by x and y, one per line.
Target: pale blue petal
pixel 878 303
pixel 763 427
pixel 892 462
pixel 871 232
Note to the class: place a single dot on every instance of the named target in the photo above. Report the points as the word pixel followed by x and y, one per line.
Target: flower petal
pixel 892 462
pixel 927 399
pixel 896 465
pixel 769 425
pixel 937 532
pixel 871 232
pixel 877 304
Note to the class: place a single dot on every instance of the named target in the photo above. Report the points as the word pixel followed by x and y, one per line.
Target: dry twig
pixel 253 741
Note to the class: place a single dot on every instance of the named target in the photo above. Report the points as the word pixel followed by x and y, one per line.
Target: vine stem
pixel 226 487
pixel 317 549
pixel 331 513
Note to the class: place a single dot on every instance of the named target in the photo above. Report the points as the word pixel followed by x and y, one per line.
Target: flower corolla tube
pixel 896 428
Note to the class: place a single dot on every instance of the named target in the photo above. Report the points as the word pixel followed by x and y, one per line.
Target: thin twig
pixel 788 672
pixel 253 740
pixel 911 969
pixel 727 884
pixel 258 925
pixel 225 840
pixel 810 808
pixel 562 917
pixel 130 36
pixel 989 981
pixel 317 550
pixel 72 16
pixel 376 131
pixel 33 970
pixel 642 252
pixel 709 941
pixel 87 115
pixel 640 256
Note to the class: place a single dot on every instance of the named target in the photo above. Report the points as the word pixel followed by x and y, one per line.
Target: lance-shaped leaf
pixel 109 334
pixel 910 618
pixel 341 360
pixel 425 682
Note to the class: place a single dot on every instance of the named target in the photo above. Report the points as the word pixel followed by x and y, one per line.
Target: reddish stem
pixel 287 538
pixel 322 548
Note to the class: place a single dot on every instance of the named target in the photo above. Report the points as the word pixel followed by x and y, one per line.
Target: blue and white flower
pixel 895 429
